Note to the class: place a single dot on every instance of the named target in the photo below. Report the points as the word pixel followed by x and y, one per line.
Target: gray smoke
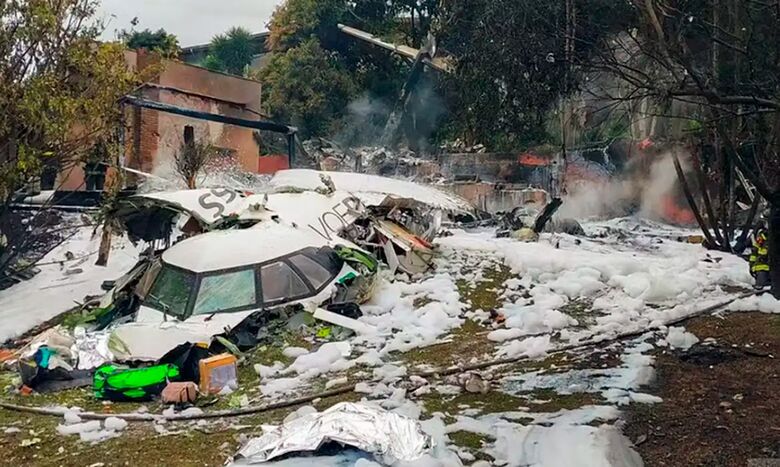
pixel 638 190
pixel 367 116
pixel 364 122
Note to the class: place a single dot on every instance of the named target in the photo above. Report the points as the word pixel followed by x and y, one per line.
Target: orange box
pixel 217 372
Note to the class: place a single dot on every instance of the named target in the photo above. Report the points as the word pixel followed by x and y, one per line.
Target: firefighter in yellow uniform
pixel 759 258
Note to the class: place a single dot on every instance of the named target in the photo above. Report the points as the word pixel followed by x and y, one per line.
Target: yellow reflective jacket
pixel 759 254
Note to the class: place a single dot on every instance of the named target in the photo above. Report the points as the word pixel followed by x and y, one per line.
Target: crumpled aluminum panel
pixel 387 435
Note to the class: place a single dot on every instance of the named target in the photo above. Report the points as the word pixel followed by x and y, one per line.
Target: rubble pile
pixel 459 146
pixel 403 162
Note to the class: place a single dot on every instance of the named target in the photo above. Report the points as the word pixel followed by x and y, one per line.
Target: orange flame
pixel 533 159
pixel 674 213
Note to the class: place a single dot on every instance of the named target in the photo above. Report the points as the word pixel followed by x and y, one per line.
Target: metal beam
pixel 242 122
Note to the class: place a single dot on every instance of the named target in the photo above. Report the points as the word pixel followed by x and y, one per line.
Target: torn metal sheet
pixel 417 256
pixel 371 188
pixel 150 216
pixel 389 436
pixel 390 256
pixel 134 274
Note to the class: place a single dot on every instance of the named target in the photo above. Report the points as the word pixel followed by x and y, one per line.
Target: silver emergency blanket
pixel 91 348
pixel 387 435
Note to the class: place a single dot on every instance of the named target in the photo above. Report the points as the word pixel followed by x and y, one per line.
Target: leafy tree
pixel 720 59
pixel 512 63
pixel 158 41
pixel 59 95
pixel 295 21
pixel 375 72
pixel 314 103
pixel 231 52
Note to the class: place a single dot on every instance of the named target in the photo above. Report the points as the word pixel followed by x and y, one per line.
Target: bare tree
pixel 716 65
pixel 191 159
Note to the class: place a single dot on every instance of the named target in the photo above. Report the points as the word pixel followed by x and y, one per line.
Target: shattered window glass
pixel 281 282
pixel 171 291
pixel 225 292
pixel 313 271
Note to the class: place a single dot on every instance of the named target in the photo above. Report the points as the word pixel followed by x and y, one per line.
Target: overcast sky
pixel 193 21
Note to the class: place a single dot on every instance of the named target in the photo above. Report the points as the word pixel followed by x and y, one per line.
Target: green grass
pixel 491 402
pixel 485 295
pixel 467 342
pixel 469 440
pixel 556 402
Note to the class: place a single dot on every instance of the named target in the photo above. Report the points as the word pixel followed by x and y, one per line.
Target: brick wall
pixel 152 138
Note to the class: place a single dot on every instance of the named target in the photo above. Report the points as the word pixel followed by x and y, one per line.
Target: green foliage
pixel 59 94
pixel 362 69
pixel 158 41
pixel 295 21
pixel 512 66
pixel 231 52
pixel 307 86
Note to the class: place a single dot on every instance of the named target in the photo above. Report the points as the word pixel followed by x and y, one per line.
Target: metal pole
pixel 291 149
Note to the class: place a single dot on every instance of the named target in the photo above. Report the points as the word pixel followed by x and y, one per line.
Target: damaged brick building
pixel 152 138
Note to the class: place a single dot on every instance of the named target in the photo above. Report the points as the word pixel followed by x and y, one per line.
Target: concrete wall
pixel 512 168
pixel 493 198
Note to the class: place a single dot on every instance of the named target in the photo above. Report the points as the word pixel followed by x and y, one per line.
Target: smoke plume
pixel 647 187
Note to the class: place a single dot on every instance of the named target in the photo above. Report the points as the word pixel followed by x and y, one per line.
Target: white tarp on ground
pixel 58 287
pixel 362 184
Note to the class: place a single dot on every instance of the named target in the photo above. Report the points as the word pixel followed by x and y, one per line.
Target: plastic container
pixel 217 372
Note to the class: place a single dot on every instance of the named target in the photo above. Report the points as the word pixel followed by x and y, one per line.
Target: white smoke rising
pixel 644 188
pixel 655 190
pixel 364 122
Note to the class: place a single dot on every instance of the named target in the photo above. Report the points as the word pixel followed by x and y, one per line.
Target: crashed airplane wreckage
pixel 224 268
pixel 395 220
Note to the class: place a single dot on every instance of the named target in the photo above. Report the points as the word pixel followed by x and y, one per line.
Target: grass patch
pixel 467 342
pixel 484 295
pixel 469 440
pixel 580 309
pixel 558 402
pixel 420 302
pixel 491 402
pixel 140 444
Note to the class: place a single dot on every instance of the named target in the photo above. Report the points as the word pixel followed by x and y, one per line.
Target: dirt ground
pixel 721 402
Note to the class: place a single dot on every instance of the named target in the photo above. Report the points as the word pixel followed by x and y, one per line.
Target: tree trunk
pixel 105 246
pixel 774 243
pixel 711 243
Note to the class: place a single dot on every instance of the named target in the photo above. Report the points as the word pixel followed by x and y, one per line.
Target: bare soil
pixel 721 402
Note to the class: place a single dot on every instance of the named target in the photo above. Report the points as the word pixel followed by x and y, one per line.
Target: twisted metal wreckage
pixel 221 266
